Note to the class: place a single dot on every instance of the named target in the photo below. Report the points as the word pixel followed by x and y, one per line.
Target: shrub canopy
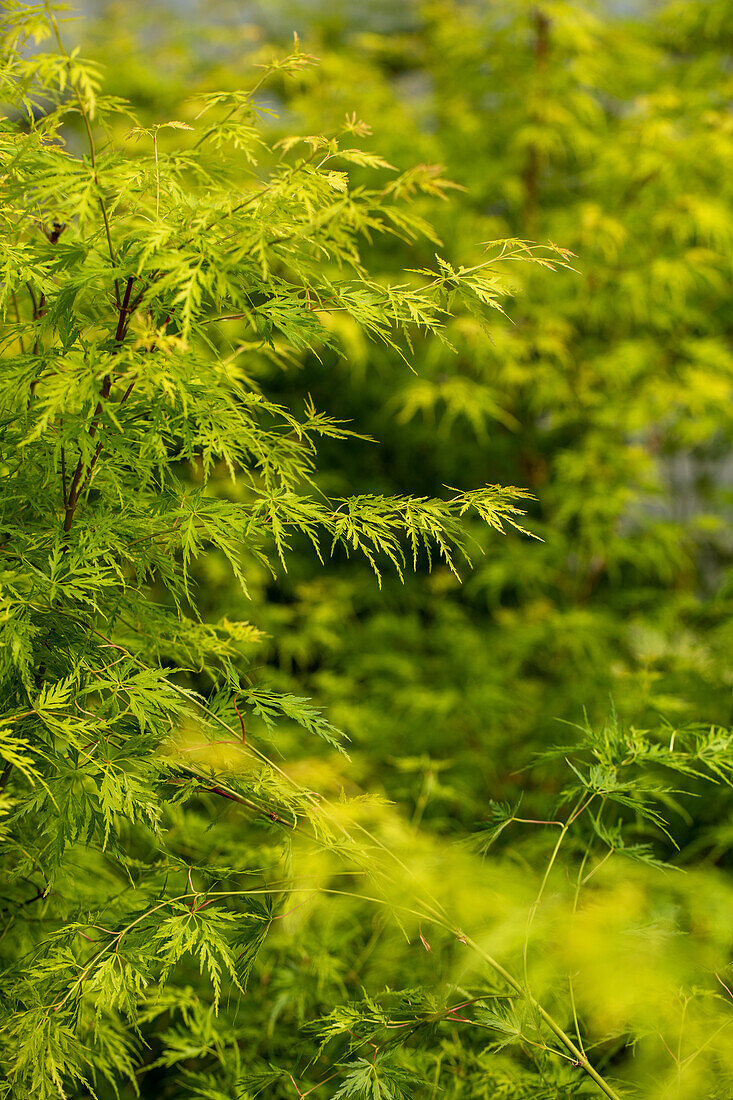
pixel 213 303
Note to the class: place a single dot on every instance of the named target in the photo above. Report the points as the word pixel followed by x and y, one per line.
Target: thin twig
pixel 88 128
pixel 80 478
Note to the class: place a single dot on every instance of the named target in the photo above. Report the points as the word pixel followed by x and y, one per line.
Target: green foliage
pixel 197 897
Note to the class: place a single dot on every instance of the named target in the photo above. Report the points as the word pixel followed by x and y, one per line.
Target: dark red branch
pixel 81 477
pixel 241 722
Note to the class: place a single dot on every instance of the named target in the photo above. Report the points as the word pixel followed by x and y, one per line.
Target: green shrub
pixel 197 899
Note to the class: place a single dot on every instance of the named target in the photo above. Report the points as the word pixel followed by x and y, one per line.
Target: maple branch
pixel 80 478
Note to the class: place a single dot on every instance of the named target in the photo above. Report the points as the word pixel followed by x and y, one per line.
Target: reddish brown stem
pixel 241 722
pixel 81 477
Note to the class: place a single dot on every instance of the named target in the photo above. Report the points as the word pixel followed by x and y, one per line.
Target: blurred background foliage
pixel 606 392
